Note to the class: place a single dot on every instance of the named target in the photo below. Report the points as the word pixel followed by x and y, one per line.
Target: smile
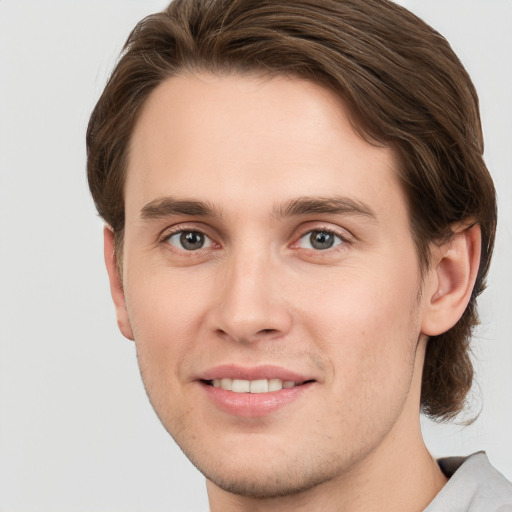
pixel 255 391
pixel 253 386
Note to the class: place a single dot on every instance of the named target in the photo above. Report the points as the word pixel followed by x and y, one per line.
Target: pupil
pixel 192 240
pixel 321 240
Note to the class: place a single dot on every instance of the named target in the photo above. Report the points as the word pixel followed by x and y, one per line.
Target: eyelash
pixel 167 235
pixel 344 240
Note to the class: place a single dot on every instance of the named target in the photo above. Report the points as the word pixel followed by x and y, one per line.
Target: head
pixel 401 89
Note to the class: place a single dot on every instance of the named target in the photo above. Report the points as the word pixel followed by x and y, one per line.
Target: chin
pixel 265 478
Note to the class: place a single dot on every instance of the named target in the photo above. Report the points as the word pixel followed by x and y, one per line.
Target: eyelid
pixel 308 234
pixel 306 229
pixel 170 231
pixel 208 241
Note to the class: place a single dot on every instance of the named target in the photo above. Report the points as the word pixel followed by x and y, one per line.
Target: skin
pixel 354 318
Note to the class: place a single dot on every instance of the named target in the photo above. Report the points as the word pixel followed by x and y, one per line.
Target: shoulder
pixel 474 485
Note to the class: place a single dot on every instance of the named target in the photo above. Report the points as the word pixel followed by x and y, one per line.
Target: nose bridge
pixel 251 303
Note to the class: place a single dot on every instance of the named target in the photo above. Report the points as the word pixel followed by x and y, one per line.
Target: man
pixel 299 224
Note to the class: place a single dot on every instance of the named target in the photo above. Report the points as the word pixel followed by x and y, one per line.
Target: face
pixel 271 282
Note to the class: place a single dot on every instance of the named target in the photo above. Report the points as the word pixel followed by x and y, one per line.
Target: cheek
pixel 368 325
pixel 164 319
pixel 164 322
pixel 354 304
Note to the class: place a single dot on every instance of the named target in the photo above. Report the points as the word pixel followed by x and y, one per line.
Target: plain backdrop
pixel 76 430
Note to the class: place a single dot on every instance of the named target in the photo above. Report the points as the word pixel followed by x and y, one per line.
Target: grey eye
pixel 320 240
pixel 189 240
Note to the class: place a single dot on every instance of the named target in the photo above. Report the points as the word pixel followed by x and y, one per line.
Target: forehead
pixel 249 142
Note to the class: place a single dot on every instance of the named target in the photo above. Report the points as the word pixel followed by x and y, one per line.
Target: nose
pixel 250 304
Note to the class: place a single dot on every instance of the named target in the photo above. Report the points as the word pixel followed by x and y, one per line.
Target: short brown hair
pixel 402 83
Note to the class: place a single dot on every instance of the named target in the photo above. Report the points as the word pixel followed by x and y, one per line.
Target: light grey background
pixel 76 430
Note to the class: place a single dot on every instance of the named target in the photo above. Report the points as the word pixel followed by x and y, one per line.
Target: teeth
pixel 252 386
pixel 226 383
pixel 275 384
pixel 240 386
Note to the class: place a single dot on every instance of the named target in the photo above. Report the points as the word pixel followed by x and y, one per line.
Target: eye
pixel 319 240
pixel 189 240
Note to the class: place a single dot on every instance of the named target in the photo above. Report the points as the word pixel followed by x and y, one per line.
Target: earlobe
pixel 116 287
pixel 451 280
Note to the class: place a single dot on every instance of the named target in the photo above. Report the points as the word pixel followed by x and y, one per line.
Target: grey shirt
pixel 473 486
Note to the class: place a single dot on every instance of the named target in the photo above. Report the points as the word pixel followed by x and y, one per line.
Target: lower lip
pixel 253 405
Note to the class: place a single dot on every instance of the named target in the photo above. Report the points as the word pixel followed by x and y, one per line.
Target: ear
pixel 116 286
pixel 451 280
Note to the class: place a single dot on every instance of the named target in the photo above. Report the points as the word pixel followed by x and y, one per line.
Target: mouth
pixel 256 391
pixel 259 386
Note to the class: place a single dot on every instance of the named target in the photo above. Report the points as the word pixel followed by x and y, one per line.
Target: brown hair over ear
pixel 449 289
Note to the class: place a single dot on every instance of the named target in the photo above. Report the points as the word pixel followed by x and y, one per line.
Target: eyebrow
pixel 301 206
pixel 336 205
pixel 167 206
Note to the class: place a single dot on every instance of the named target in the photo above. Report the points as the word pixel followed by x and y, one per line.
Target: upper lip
pixel 235 371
